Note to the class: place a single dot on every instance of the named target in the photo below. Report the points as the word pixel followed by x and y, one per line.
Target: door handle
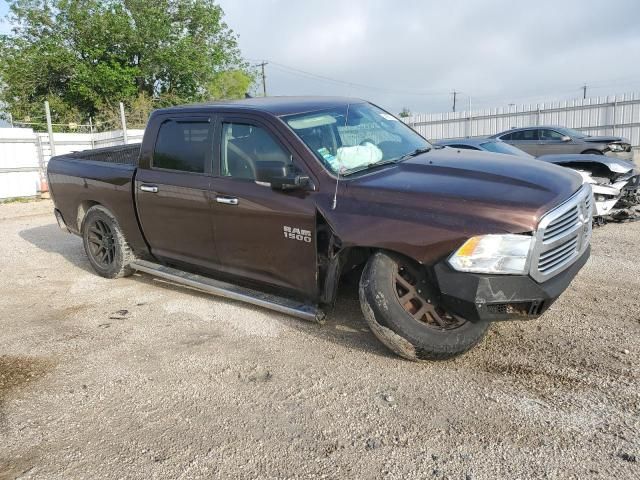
pixel 227 200
pixel 149 188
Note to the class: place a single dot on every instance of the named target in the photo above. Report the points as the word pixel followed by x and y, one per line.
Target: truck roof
pixel 274 105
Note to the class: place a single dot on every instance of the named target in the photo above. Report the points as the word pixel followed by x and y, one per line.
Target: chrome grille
pixel 563 235
pixel 562 225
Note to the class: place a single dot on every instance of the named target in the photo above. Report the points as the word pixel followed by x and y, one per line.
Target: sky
pixel 414 53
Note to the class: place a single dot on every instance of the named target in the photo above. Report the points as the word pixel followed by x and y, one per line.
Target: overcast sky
pixel 413 53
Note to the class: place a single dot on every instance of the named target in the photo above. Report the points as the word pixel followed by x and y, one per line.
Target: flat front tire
pixel 400 306
pixel 105 245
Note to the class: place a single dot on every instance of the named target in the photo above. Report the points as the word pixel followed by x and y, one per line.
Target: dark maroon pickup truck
pixel 271 201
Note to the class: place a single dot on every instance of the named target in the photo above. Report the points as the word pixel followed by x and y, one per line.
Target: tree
pixel 86 56
pixel 405 113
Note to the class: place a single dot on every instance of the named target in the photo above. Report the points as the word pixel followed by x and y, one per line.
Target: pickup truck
pixel 273 200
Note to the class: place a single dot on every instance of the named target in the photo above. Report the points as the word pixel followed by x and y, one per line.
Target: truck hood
pixel 485 192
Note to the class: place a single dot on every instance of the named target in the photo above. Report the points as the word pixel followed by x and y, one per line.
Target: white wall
pixel 24 155
pixel 19 163
pixel 609 115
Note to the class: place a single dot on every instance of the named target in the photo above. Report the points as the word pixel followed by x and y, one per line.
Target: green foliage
pixel 230 84
pixel 405 113
pixel 86 56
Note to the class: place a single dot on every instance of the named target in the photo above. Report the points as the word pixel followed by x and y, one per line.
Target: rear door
pixel 173 188
pixel 261 234
pixel 526 140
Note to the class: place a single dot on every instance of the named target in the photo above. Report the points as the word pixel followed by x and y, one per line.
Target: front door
pixel 172 193
pixel 551 143
pixel 262 234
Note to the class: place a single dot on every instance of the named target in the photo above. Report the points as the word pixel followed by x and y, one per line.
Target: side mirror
pixel 279 175
pixel 566 138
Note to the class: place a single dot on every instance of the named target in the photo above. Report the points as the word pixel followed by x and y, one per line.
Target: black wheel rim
pixel 102 245
pixel 416 298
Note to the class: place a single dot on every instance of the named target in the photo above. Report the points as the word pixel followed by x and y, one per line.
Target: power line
pixel 298 71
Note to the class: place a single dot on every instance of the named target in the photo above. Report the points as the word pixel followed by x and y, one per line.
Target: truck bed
pixel 79 180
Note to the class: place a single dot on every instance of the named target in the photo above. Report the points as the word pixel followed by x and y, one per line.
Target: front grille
pixel 562 225
pixel 557 256
pixel 562 236
pixel 518 308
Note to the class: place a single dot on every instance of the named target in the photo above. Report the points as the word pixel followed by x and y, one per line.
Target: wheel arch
pixel 592 151
pixel 82 210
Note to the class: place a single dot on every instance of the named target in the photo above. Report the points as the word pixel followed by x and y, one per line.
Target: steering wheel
pixel 366 140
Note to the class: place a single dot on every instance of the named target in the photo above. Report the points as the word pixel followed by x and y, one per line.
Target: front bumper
pixel 626 155
pixel 501 297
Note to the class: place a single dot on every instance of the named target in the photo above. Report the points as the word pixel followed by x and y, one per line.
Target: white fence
pixel 24 155
pixel 610 115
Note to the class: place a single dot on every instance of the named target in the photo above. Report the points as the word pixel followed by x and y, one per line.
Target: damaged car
pixel 615 182
pixel 553 140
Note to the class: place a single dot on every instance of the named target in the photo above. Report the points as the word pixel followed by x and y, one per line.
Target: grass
pixel 19 200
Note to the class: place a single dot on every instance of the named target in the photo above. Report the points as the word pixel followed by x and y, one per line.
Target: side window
pixel 507 137
pixel 546 134
pixel 526 135
pixel 244 146
pixel 183 146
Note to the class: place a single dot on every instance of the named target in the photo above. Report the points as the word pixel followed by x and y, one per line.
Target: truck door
pixel 262 234
pixel 173 187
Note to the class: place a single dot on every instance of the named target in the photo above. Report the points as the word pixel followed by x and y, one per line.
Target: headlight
pixel 616 147
pixel 506 254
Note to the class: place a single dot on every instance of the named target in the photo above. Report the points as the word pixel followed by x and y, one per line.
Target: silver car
pixel 546 140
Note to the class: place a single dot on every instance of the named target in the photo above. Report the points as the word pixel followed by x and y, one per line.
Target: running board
pixel 233 292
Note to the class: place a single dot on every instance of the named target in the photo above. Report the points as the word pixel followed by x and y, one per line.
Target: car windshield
pixel 501 147
pixel 348 139
pixel 570 132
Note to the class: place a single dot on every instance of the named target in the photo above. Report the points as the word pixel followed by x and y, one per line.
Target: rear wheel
pixel 105 245
pixel 401 308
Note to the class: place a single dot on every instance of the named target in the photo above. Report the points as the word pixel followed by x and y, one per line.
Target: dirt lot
pixel 136 378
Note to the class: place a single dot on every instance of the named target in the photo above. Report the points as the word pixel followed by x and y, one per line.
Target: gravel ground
pixel 140 379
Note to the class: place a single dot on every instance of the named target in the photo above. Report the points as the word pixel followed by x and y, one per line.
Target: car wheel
pixel 105 245
pixel 401 309
pixel 592 152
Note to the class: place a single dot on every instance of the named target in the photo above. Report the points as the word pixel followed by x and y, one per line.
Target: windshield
pixel 367 136
pixel 570 132
pixel 501 147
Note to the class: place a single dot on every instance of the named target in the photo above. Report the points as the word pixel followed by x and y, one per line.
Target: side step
pixel 228 290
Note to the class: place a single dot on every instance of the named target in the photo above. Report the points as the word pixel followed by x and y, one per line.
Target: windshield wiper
pixel 415 153
pixel 369 166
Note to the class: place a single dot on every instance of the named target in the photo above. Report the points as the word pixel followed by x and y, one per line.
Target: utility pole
pixel 584 91
pixel 52 145
pixel 264 83
pixel 123 120
pixel 455 94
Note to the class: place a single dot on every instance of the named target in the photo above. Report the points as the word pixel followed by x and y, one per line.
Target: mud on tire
pixel 399 306
pixel 105 244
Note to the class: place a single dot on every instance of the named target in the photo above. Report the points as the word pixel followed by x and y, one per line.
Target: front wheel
pixel 400 306
pixel 105 245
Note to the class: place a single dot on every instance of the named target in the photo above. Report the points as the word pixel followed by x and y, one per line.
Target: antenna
pixel 335 194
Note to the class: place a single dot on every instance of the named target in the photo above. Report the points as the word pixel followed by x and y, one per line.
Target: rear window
pixel 183 145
